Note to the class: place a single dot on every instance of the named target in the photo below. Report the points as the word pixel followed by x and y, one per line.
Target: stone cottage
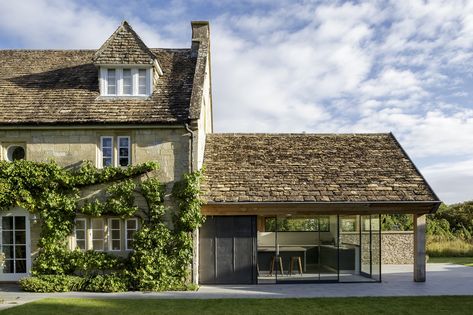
pixel 281 208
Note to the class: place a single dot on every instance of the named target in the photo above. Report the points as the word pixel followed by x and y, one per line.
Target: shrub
pixel 107 283
pixel 52 283
pixel 454 248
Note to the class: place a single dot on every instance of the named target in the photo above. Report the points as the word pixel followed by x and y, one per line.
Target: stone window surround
pixel 103 81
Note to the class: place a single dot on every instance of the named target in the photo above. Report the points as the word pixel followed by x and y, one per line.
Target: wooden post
pixel 419 247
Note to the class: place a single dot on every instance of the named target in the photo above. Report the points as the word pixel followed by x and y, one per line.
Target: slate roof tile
pixel 310 167
pixel 61 87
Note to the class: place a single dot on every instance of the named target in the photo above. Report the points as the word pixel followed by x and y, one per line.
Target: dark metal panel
pixel 228 250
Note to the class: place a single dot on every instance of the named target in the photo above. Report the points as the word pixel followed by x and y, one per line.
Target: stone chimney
pixel 200 35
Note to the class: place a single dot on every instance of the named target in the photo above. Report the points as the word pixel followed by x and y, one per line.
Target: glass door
pixel 306 249
pixel 14 243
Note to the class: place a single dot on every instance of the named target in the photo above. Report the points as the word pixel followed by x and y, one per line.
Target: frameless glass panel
pixel 365 237
pixel 306 248
pixel 350 249
pixel 376 247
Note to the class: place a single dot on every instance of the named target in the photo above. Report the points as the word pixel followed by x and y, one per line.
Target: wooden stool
pixel 299 264
pixel 273 260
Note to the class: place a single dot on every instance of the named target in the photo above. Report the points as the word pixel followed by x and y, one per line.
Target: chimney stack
pixel 200 36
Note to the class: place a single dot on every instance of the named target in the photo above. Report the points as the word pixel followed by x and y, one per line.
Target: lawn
pixel 467 261
pixel 320 306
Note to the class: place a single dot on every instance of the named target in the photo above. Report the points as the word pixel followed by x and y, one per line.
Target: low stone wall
pixel 397 247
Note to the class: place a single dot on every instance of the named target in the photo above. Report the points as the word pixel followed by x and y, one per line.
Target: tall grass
pixel 449 248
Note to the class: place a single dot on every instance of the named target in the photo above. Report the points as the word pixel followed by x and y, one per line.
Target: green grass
pixel 383 305
pixel 467 261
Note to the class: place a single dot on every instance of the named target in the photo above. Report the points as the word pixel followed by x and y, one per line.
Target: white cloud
pixel 453 182
pixel 57 24
pixel 322 66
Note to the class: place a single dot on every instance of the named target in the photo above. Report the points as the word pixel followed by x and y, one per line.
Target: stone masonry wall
pixel 69 147
pixel 397 247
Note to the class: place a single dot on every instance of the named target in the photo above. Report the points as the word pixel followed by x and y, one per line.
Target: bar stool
pixel 299 264
pixel 273 261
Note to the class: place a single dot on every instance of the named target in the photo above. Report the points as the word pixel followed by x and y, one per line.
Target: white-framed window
pixel 106 149
pixel 97 231
pixel 114 234
pixel 112 82
pixel 131 226
pixel 123 151
pixel 142 82
pixel 81 233
pixel 119 81
pixel 127 82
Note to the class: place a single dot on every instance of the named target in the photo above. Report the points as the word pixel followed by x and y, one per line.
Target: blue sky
pixel 314 66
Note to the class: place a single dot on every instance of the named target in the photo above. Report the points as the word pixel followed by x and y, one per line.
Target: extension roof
pixel 258 168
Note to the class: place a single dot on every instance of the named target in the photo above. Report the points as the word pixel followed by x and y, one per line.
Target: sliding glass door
pixel 360 238
pixel 319 248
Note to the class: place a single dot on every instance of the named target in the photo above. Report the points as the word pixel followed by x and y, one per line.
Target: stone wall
pixel 69 147
pixel 397 247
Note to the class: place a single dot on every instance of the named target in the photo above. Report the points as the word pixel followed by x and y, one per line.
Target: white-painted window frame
pixel 126 232
pixel 101 164
pixel 109 236
pixel 85 234
pixel 119 81
pixel 92 238
pixel 119 156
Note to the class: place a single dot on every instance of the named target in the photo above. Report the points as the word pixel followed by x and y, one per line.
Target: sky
pixel 404 67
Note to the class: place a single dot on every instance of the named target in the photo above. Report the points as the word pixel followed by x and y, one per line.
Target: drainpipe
pixel 191 146
pixel 195 234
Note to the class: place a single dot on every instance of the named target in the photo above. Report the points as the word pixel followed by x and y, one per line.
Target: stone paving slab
pixel 442 279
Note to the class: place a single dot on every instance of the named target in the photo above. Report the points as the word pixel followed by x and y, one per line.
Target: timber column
pixel 419 247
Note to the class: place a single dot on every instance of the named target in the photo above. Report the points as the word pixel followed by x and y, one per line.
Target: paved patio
pixel 442 279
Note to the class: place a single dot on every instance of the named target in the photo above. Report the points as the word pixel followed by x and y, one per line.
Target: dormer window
pixel 129 81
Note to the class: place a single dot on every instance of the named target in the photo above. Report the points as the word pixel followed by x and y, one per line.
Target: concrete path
pixel 442 279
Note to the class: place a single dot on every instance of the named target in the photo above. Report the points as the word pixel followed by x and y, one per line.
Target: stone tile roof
pixel 61 87
pixel 310 168
pixel 124 47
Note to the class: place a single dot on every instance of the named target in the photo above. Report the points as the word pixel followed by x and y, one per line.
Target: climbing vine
pixel 162 250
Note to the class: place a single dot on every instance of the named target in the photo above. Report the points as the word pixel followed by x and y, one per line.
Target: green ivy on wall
pixel 162 253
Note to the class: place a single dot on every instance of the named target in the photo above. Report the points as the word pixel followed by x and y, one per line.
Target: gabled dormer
pixel 127 67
